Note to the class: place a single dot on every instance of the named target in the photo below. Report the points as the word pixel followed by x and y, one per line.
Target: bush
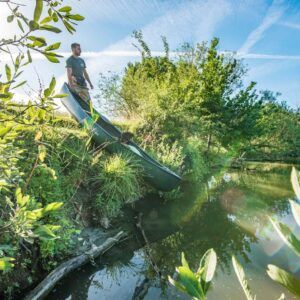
pixel 170 155
pixel 120 179
pixel 196 166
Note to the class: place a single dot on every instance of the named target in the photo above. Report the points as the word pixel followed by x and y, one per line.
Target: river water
pixel 229 214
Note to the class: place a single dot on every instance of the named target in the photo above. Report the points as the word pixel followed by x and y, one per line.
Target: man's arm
pixel 70 77
pixel 87 77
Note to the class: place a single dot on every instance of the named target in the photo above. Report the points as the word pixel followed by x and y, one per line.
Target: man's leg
pixel 83 93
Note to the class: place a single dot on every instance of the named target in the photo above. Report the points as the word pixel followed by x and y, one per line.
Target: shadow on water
pixel 231 218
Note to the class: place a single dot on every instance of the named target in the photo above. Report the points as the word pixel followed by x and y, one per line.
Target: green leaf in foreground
pixel 51 57
pixel 76 17
pixel 239 271
pixel 295 183
pixel 38 10
pixel 8 72
pixel 187 279
pixel 208 264
pixel 207 268
pixel 53 47
pixel 50 28
pixel 287 236
pixel 284 278
pixel 295 207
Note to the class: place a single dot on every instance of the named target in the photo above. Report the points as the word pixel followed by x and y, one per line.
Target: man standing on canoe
pixel 77 74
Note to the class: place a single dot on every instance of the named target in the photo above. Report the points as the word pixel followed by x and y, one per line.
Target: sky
pixel 264 33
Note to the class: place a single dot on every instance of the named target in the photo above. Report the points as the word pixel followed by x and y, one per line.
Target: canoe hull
pixel 106 134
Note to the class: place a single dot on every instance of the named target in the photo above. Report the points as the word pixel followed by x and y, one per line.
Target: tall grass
pixel 120 183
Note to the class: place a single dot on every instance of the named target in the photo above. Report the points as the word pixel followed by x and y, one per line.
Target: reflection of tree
pixel 266 191
pixel 210 229
pixel 192 225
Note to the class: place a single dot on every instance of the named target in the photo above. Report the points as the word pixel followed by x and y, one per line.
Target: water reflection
pixel 231 218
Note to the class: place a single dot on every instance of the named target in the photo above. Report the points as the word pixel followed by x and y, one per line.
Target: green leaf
pixel 295 183
pixel 52 207
pixel 20 84
pixel 187 279
pixel 50 28
pixel 4 130
pixel 46 20
pixel 10 18
pixel 53 47
pixel 177 285
pixel 8 72
pixel 207 268
pixel 38 10
pixel 65 9
pixel 55 17
pixel 69 27
pixel 35 214
pixel 29 56
pixel 284 278
pixel 5 263
pixel 20 25
pixel 282 297
pixel 287 236
pixel 51 57
pixel 295 207
pixel 21 200
pixel 76 17
pixel 37 40
pixel 52 84
pixel 183 261
pixel 60 96
pixel 239 271
pixel 47 93
pixel 45 232
pixel 42 152
pixel 33 25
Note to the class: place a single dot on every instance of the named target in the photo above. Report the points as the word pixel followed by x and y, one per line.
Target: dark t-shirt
pixel 78 65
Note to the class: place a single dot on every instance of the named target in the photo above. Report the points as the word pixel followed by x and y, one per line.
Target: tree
pixel 23 219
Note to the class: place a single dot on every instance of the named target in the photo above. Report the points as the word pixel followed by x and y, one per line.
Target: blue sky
pixel 264 33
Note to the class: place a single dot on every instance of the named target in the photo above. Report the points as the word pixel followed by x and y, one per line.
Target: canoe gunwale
pixel 84 116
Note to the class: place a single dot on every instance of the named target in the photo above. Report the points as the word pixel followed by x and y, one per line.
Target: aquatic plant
pixel 195 284
pixel 288 280
pixel 239 271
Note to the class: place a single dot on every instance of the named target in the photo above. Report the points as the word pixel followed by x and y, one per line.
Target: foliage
pixel 171 156
pixel 119 177
pixel 239 271
pixel 242 279
pixel 200 93
pixel 196 284
pixel 288 280
pixel 30 214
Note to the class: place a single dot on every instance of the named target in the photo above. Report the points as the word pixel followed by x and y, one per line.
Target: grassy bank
pixel 57 182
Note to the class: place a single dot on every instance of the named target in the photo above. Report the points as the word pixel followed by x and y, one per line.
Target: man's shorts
pixel 82 92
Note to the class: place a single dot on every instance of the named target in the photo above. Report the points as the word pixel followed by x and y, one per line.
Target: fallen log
pixel 44 287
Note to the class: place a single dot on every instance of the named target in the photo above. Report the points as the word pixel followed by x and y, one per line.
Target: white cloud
pixel 290 25
pixel 273 14
pixel 267 56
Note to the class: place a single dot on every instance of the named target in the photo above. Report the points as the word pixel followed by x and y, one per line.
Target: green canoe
pixel 105 133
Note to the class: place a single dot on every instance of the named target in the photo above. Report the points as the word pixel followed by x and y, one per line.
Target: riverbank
pixel 67 184
pixel 231 218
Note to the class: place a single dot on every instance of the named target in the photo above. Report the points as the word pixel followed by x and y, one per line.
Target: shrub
pixel 171 156
pixel 120 179
pixel 196 167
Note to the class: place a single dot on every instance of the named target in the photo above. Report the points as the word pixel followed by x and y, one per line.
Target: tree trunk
pixel 44 287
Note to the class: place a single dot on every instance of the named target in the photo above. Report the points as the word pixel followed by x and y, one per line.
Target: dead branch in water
pixel 44 287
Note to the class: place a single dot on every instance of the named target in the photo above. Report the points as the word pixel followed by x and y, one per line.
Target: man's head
pixel 76 50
